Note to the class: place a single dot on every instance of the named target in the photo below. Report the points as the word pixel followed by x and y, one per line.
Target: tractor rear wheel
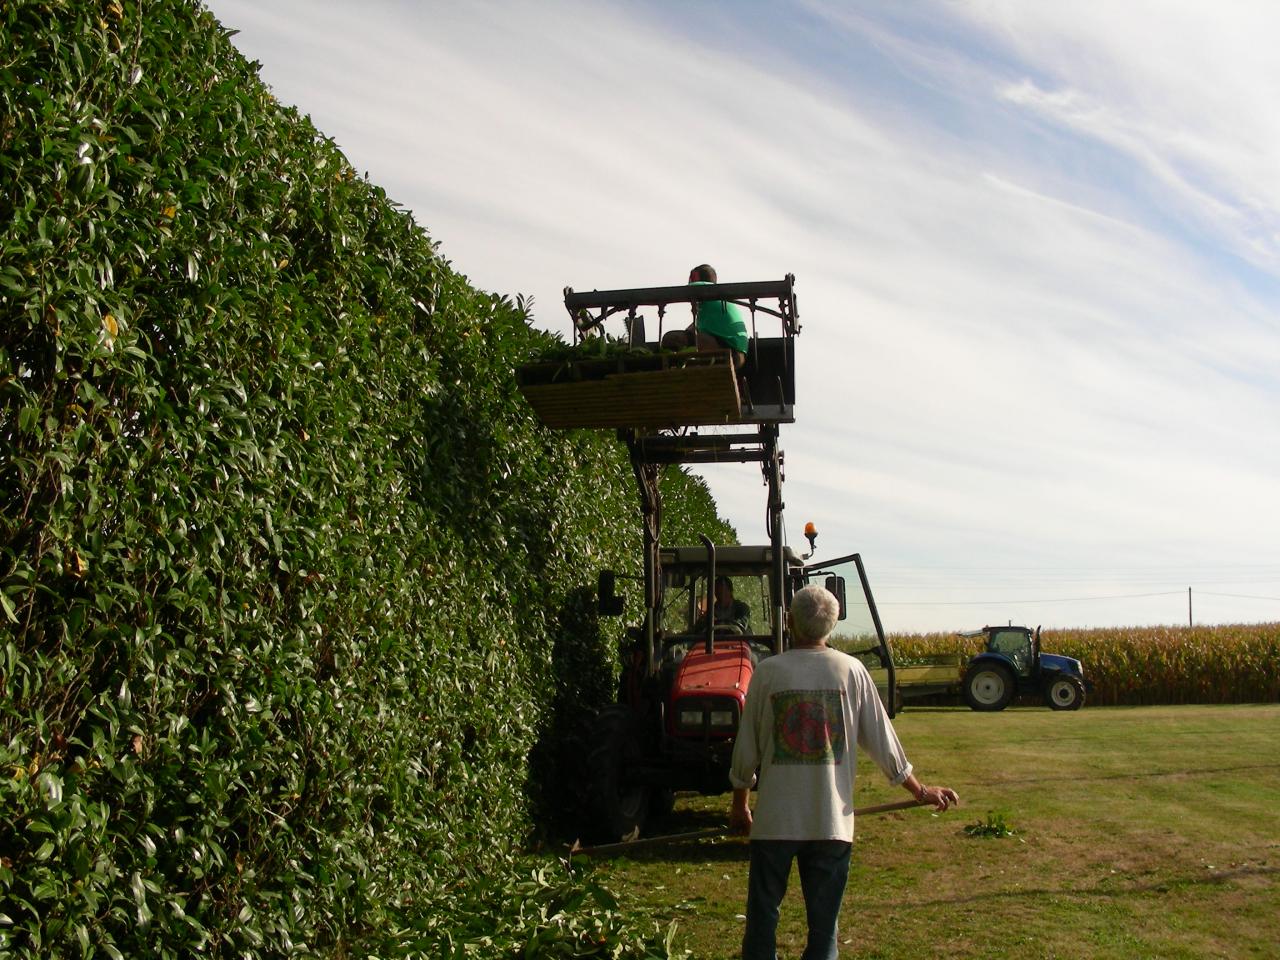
pixel 616 805
pixel 989 687
pixel 1064 693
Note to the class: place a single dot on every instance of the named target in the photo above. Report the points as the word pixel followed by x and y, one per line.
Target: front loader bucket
pixel 659 390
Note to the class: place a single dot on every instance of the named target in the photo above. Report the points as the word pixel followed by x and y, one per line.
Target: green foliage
pixel 688 509
pixel 291 582
pixel 546 911
pixel 994 827
pixel 602 347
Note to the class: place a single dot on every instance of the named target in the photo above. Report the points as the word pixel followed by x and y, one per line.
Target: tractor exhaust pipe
pixel 711 597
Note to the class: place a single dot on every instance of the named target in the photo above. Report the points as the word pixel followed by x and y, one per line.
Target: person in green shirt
pixel 718 324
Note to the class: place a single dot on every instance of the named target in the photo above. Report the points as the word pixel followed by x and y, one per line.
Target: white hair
pixel 814 612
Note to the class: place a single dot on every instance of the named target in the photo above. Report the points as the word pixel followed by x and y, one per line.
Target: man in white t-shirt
pixel 804 711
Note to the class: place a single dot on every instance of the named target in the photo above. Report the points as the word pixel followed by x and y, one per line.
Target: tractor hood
pixel 724 672
pixel 1060 664
pixel 709 690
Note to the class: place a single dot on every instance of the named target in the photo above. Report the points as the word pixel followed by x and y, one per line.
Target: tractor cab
pixel 707 661
pixel 1018 646
pixel 704 669
pixel 739 597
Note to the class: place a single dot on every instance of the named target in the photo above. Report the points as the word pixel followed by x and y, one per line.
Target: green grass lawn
pixel 1139 832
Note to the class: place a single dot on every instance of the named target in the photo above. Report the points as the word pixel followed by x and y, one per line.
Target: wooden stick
pixel 896 805
pixel 710 832
pixel 643 842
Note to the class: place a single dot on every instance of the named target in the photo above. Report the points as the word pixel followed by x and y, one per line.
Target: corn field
pixel 1137 666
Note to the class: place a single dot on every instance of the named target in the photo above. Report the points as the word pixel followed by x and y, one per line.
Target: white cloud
pixel 1007 361
pixel 1185 91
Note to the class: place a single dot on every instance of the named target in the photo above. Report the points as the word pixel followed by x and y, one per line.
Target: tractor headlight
pixel 716 717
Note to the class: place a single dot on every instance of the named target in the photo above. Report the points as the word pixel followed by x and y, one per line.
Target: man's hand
pixel 740 813
pixel 940 797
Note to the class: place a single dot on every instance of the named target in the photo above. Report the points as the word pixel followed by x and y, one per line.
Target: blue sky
pixel 1037 251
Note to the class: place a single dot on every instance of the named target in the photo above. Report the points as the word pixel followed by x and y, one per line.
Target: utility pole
pixel 1190 622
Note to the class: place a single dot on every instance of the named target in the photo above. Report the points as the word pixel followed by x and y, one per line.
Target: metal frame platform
pixel 645 387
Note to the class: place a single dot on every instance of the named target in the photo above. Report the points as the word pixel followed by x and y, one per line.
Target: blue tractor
pixel 1012 665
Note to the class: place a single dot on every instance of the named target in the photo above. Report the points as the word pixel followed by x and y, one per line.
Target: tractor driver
pixel 728 611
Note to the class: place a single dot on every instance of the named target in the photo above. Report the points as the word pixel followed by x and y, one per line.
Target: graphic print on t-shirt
pixel 808 727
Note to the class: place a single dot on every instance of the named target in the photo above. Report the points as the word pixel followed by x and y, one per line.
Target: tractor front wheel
pixel 1064 693
pixel 616 805
pixel 988 687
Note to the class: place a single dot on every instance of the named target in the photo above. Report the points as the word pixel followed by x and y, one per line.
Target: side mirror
pixel 608 603
pixel 835 586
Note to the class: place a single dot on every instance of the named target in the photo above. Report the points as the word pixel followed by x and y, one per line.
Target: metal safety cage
pixel 643 385
pixel 591 309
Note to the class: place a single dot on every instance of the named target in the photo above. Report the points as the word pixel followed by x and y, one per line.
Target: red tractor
pixel 680 700
pixel 710 613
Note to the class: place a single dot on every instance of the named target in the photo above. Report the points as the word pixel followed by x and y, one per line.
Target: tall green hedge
pixel 292 584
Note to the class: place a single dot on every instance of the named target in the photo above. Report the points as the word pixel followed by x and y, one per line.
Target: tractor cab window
pixel 741 603
pixel 679 600
pixel 1014 644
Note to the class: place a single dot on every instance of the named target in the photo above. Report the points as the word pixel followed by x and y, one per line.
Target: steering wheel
pixel 728 630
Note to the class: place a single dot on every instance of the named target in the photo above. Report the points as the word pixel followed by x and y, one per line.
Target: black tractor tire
pixel 616 806
pixel 989 687
pixel 662 802
pixel 1064 693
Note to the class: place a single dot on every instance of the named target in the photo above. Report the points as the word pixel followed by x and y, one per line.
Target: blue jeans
pixel 824 870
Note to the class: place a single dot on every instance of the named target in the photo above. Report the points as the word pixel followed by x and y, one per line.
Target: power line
pixel 1237 596
pixel 1118 596
pixel 1029 576
pixel 973 603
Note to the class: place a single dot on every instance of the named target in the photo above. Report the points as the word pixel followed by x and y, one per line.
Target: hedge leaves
pixel 292 585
